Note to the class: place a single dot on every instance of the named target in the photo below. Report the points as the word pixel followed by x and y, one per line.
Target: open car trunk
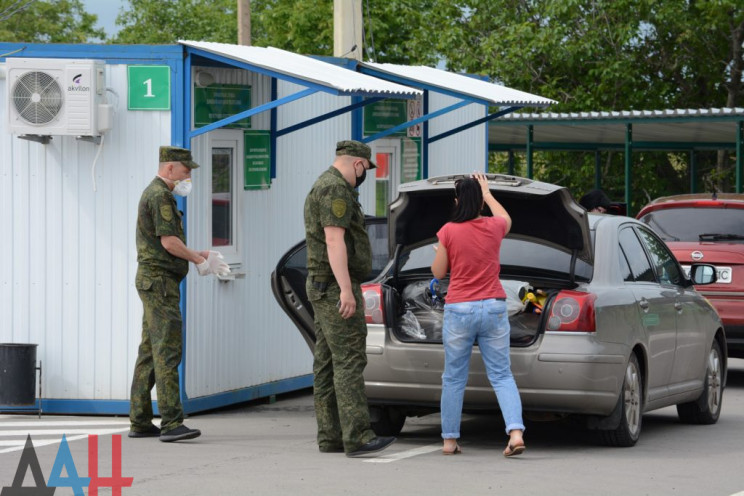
pixel 415 310
pixel 544 217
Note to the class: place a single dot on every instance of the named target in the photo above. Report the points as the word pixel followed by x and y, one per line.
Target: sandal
pixel 455 451
pixel 514 450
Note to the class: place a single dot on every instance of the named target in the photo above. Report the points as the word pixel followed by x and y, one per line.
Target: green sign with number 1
pixel 149 87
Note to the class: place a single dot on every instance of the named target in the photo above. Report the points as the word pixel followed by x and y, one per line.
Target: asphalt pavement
pixel 268 448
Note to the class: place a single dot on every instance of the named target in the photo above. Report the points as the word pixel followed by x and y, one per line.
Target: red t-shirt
pixel 473 257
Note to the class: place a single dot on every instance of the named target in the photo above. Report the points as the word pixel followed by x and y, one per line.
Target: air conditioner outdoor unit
pixel 55 96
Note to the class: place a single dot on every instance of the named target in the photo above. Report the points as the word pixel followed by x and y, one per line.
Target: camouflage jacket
pixel 158 216
pixel 333 202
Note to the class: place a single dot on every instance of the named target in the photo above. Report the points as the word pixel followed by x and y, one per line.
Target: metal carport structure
pixel 468 89
pixel 688 130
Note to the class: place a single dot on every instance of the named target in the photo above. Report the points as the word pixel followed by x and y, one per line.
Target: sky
pixel 106 10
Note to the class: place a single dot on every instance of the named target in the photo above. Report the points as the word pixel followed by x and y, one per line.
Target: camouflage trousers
pixel 159 354
pixel 340 357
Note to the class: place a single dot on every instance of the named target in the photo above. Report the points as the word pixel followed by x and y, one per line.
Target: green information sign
pixel 219 101
pixel 257 161
pixel 381 116
pixel 148 87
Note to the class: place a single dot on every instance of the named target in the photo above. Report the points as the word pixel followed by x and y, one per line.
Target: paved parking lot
pixel 268 448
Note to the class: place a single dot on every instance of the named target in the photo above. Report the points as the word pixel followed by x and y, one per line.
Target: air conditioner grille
pixel 37 97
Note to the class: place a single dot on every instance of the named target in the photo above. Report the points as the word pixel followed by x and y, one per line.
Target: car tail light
pixel 572 311
pixel 373 309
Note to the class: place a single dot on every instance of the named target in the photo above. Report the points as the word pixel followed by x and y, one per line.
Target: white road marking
pixel 394 457
pixel 13 435
pixel 45 442
pixel 42 432
pixel 63 423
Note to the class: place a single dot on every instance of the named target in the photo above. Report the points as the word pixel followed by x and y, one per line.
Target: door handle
pixel 678 306
pixel 643 303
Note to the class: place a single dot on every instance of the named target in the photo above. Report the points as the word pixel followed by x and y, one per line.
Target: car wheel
pixel 387 421
pixel 707 408
pixel 630 404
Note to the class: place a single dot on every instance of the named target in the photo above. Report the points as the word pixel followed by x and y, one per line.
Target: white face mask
pixel 182 188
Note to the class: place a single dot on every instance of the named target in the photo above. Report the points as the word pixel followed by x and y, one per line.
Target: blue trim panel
pixel 180 123
pixel 194 405
pixel 218 400
pixel 77 407
pixel 116 54
pixel 357 119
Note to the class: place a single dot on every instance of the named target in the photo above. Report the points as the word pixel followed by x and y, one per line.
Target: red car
pixel 708 228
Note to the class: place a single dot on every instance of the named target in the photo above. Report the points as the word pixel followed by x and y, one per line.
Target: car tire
pixel 630 405
pixel 387 421
pixel 707 408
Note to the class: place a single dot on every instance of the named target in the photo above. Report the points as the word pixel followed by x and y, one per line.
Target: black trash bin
pixel 17 374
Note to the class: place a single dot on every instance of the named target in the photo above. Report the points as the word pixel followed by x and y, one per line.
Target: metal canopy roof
pixel 458 85
pixel 305 70
pixel 679 129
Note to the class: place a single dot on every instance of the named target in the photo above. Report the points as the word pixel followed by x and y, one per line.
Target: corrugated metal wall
pixel 237 335
pixel 462 152
pixel 67 280
pixel 70 258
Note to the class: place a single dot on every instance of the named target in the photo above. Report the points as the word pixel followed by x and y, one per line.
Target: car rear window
pixel 688 223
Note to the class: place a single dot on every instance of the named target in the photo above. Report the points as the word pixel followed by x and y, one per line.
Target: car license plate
pixel 723 274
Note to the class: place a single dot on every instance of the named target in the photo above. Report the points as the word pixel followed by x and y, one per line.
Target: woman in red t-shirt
pixel 475 309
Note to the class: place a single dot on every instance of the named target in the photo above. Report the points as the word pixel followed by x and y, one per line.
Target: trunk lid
pixel 540 212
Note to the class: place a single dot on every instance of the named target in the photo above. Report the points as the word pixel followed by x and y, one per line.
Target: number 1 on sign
pixel 148 83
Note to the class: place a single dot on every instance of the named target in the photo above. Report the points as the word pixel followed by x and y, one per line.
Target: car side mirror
pixel 703 274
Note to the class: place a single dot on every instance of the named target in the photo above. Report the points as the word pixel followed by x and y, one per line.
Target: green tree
pixel 392 28
pixel 166 21
pixel 604 55
pixel 600 54
pixel 55 21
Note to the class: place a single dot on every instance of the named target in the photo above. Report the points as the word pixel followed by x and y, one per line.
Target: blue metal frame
pixel 355 105
pixel 413 122
pixel 426 140
pixel 252 111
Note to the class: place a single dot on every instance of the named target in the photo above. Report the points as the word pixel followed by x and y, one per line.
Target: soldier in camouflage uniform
pixel 339 257
pixel 163 261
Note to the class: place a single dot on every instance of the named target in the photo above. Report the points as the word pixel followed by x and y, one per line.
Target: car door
pixel 288 279
pixel 656 312
pixel 689 352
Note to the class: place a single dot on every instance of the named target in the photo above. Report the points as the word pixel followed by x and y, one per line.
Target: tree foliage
pixel 586 54
pixel 605 55
pixel 166 21
pixel 600 54
pixel 392 30
pixel 54 21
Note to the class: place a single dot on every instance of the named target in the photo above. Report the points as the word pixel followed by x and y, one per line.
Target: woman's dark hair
pixel 469 200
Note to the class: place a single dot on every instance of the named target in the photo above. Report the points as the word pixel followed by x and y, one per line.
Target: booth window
pixel 226 176
pixel 223 164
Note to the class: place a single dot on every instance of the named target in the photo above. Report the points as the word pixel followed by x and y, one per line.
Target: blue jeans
pixel 487 321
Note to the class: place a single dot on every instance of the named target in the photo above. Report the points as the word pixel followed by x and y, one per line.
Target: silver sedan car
pixel 605 324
